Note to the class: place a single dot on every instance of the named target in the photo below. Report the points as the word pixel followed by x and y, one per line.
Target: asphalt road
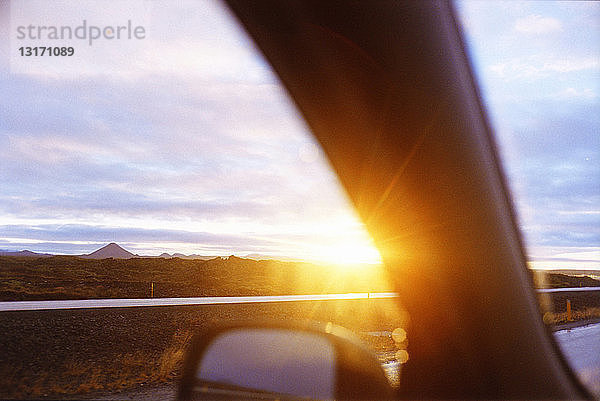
pixel 6 306
pixel 127 303
pixel 581 346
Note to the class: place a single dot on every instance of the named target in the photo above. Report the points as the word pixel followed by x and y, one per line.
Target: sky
pixel 538 66
pixel 189 144
pixel 184 141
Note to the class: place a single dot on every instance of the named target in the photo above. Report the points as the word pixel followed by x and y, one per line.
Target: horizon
pixel 197 148
pixel 254 256
pixel 281 258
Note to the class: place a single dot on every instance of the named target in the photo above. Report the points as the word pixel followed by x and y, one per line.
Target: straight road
pixel 127 303
pixel 574 289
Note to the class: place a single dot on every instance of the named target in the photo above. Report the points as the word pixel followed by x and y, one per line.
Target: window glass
pixel 538 65
pixel 167 162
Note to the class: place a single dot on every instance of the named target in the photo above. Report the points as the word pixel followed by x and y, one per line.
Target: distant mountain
pixel 25 253
pixel 111 250
pixel 182 256
pixel 201 257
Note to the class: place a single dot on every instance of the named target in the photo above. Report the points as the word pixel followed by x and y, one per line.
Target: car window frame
pixel 540 371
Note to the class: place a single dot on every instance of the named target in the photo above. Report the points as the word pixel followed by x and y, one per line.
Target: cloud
pixel 572 260
pixel 537 24
pixel 117 147
pixel 581 212
pixel 538 66
pixel 574 93
pixel 166 153
pixel 200 148
pixel 565 257
pixel 554 151
pixel 82 238
pixel 196 38
pixel 200 137
pixel 101 234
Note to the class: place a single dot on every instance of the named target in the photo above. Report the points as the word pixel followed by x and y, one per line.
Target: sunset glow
pixel 348 254
pixel 221 165
pixel 196 148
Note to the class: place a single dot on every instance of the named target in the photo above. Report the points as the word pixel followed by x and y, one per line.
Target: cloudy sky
pixel 538 63
pixel 185 142
pixel 188 144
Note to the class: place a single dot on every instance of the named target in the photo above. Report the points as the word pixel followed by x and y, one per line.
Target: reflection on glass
pixel 274 361
pixel 399 335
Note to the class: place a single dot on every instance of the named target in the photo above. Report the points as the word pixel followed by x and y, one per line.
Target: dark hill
pixel 25 253
pixel 111 250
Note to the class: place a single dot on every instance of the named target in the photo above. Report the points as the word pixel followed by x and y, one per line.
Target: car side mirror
pixel 281 361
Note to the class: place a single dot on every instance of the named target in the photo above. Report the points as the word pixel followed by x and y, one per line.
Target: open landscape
pixel 77 353
pixel 584 305
pixel 70 277
pixel 95 351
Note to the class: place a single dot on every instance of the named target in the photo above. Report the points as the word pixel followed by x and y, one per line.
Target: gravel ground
pixel 96 352
pixel 161 392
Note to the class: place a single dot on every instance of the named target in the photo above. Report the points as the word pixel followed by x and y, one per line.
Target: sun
pixel 347 253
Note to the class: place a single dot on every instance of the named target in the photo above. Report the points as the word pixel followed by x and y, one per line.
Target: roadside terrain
pixel 584 305
pixel 63 353
pixel 95 352
pixel 71 277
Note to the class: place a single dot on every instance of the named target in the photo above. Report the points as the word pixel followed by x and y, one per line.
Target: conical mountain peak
pixel 111 250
